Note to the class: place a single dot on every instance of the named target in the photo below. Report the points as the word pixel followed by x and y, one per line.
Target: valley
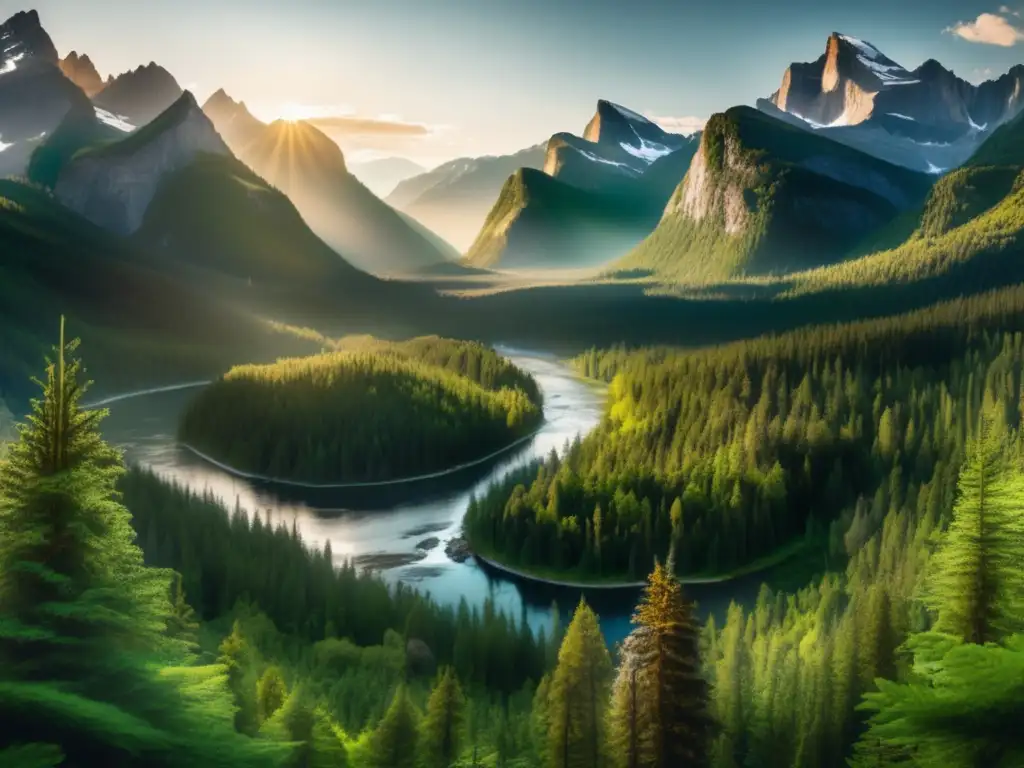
pixel 665 441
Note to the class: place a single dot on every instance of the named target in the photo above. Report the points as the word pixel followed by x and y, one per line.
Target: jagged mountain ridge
pixel 928 118
pixel 112 185
pixel 764 197
pixel 80 70
pixel 309 167
pixel 597 197
pixel 140 94
pixel 34 93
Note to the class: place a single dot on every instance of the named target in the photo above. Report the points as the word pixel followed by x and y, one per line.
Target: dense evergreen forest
pixel 737 453
pixel 256 650
pixel 374 413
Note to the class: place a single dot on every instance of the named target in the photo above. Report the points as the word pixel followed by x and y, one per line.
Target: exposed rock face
pixel 928 119
pixel 34 94
pixel 112 186
pixel 233 121
pixel 141 94
pixel 762 197
pixel 617 143
pixel 82 72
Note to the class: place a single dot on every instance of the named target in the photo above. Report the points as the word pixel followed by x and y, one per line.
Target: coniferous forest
pixel 704 448
pixel 384 412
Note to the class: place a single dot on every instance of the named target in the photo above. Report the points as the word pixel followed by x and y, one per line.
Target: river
pixel 382 527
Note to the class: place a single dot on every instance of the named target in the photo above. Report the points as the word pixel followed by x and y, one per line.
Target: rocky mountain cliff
pixel 140 94
pixel 34 93
pixel 617 143
pixel 82 72
pixel 113 184
pixel 764 197
pixel 928 118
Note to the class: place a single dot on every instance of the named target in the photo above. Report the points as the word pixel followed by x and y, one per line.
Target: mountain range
pixel 597 196
pixel 454 198
pixel 310 168
pixel 927 118
pixel 382 175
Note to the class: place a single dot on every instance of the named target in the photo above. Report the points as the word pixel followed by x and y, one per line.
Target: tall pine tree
pixel 578 695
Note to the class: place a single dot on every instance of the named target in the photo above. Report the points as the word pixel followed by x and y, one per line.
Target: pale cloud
pixel 981 74
pixel 685 125
pixel 990 29
pixel 1007 11
pixel 354 124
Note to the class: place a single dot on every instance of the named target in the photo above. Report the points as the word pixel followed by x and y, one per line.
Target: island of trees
pixel 371 411
pixel 226 641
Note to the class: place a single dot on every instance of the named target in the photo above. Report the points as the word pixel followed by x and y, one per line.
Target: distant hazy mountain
pixel 233 120
pixel 82 72
pixel 597 197
pixel 139 95
pixel 764 197
pixel 455 198
pixel 928 118
pixel 310 169
pixel 383 175
pixel 34 93
pixel 112 184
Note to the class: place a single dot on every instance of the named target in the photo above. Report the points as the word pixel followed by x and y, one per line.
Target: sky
pixel 430 80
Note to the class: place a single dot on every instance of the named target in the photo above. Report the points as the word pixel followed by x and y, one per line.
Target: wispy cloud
pixel 368 126
pixel 990 29
pixel 685 125
pixel 981 74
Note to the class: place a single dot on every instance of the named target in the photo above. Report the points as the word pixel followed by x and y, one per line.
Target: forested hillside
pixel 734 453
pixel 389 412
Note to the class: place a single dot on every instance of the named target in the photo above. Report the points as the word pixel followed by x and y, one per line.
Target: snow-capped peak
pixel 881 66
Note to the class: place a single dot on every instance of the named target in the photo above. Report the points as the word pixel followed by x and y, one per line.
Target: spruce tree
pixel 675 726
pixel 578 695
pixel 976 582
pixel 441 732
pixel 83 622
pixel 393 743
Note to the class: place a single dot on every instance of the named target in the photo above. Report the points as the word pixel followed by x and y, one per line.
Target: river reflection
pixel 401 530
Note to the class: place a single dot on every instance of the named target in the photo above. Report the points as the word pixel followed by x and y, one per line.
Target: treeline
pixel 730 453
pixel 912 657
pixel 224 557
pixel 360 416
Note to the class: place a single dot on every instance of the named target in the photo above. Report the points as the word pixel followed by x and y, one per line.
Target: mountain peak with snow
pixel 926 118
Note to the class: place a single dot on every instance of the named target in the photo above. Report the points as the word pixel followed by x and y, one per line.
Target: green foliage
pixel 85 659
pixel 441 734
pixel 364 416
pixel 763 443
pixel 271 692
pixel 540 221
pixel 577 695
pixel 393 744
pixel 976 586
pixel 224 557
pixel 79 129
pixel 772 200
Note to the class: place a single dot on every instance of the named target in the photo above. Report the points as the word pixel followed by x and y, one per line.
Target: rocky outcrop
pixel 113 185
pixel 82 72
pixel 34 94
pixel 928 119
pixel 761 197
pixel 140 94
